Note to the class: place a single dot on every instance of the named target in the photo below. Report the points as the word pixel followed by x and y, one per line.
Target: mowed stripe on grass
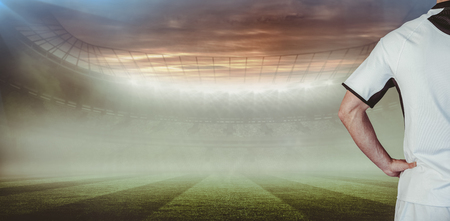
pixel 226 197
pixel 129 204
pixel 388 184
pixel 43 180
pixel 323 204
pixel 30 202
pixel 365 189
pixel 54 185
pixel 19 179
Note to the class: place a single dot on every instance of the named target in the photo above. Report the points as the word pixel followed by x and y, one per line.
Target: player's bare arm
pixel 353 115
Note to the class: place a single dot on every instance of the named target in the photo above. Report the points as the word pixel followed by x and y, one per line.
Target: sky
pixel 234 27
pixel 253 32
pixel 250 31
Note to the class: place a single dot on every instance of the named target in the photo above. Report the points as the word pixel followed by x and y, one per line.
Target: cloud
pixel 235 27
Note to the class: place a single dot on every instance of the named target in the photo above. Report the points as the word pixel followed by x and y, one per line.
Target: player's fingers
pixel 401 165
pixel 412 165
pixel 406 165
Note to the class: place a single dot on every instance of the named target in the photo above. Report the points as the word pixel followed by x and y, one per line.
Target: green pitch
pixel 214 196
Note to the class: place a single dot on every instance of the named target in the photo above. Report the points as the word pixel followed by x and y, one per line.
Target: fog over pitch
pixel 47 137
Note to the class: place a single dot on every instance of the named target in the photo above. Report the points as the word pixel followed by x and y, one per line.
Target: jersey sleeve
pixel 373 77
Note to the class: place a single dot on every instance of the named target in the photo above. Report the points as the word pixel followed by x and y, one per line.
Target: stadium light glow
pixel 4 10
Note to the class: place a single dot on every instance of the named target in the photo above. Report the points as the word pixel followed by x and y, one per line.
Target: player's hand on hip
pixel 397 166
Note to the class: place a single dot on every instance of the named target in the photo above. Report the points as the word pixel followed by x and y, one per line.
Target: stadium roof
pixel 51 39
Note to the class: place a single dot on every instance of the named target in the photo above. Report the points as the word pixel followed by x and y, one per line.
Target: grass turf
pixel 317 203
pixel 218 196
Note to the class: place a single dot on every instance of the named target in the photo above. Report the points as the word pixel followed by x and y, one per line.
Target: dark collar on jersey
pixel 442 5
pixel 442 19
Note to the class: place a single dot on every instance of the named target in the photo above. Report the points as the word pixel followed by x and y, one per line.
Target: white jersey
pixel 416 59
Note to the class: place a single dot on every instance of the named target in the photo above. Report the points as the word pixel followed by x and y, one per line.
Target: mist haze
pixel 55 120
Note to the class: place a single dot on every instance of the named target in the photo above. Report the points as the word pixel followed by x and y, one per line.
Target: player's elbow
pixel 343 113
pixel 347 113
pixel 351 108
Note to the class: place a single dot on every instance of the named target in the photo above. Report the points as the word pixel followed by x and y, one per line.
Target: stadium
pixel 183 110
